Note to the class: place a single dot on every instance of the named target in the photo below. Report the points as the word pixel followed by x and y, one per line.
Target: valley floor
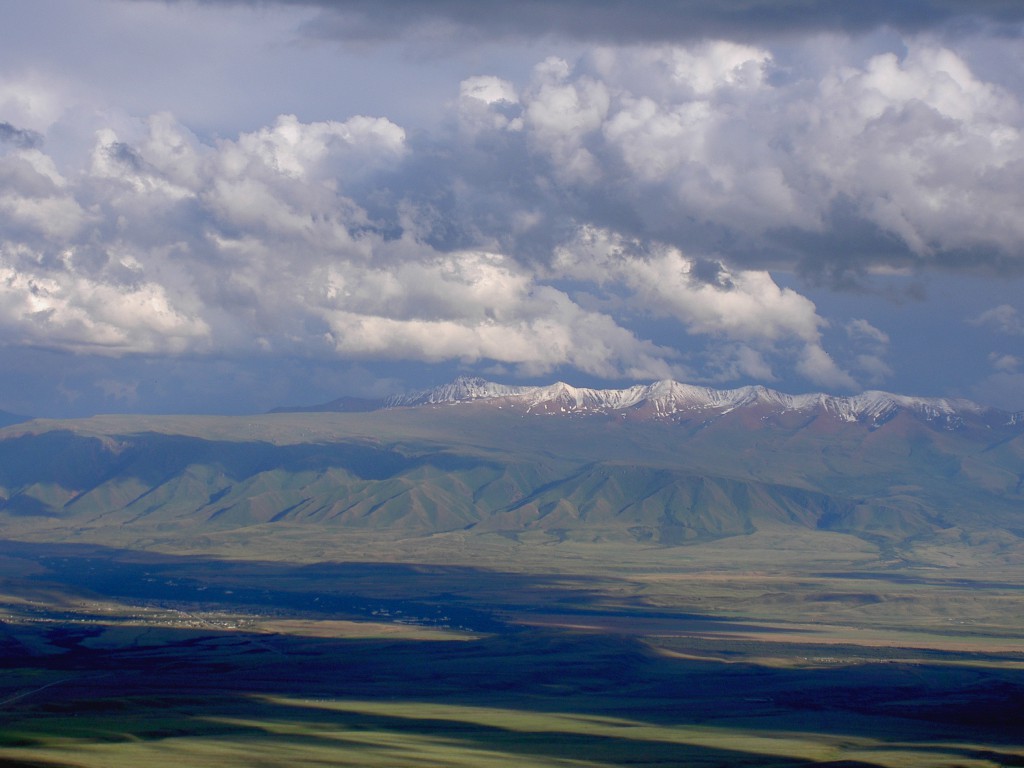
pixel 490 652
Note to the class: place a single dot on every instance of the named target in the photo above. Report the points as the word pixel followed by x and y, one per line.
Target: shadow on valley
pixel 532 695
pixel 461 597
pixel 78 461
pixel 528 696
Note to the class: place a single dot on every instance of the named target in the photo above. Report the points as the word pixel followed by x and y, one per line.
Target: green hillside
pixel 424 471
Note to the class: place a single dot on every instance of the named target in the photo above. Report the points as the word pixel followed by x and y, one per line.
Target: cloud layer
pixel 651 21
pixel 711 143
pixel 625 213
pixel 165 244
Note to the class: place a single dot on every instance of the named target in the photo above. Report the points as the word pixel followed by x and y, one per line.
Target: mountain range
pixel 663 464
pixel 671 400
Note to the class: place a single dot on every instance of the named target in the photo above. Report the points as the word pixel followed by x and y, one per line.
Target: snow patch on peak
pixel 667 398
pixel 461 390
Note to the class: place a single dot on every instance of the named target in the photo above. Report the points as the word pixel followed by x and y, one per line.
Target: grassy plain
pixel 510 653
pixel 407 589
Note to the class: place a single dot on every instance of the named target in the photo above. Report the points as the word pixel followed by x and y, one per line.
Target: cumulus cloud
pixel 743 307
pixel 172 245
pixel 1002 319
pixel 690 143
pixel 555 218
pixel 489 103
pixel 63 310
pixel 870 345
pixel 864 332
pixel 1005 363
pixel 929 149
pixel 35 200
pixel 29 105
pixel 473 306
pixel 746 304
pixel 169 245
pixel 561 113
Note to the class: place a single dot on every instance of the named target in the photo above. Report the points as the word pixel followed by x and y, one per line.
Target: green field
pixel 664 657
pixel 469 587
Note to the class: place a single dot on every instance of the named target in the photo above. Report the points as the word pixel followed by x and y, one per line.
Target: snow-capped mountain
pixel 671 400
pixel 665 463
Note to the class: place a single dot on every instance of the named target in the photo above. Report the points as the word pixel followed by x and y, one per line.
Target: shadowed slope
pixel 470 466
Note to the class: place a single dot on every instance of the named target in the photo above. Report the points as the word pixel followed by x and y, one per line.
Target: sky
pixel 226 206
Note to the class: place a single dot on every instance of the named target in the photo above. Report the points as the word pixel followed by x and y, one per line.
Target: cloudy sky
pixel 227 206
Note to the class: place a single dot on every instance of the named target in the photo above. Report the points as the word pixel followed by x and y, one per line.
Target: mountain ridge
pixel 465 468
pixel 8 419
pixel 667 399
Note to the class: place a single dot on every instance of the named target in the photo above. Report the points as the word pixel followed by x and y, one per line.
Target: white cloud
pixel 925 149
pixel 670 72
pixel 60 309
pixel 1003 319
pixel 873 368
pixel 817 365
pixel 729 362
pixel 31 101
pixel 863 331
pixel 488 89
pixel 744 306
pixel 252 244
pixel 474 306
pixel 871 345
pixel 1005 363
pixel 34 199
pixel 561 113
pixel 333 238
pixel 589 342
pixel 309 151
pixel 919 146
pixel 674 125
pixel 489 103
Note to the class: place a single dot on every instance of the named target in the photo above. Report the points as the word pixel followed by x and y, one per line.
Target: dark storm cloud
pixel 19 137
pixel 652 21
